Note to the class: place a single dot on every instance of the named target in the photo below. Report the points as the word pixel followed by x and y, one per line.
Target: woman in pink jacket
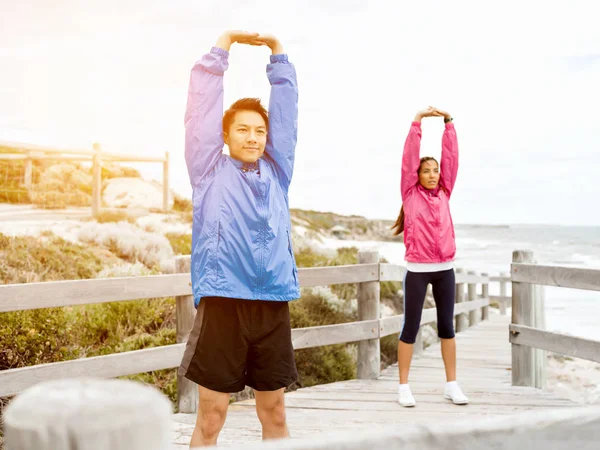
pixel 430 248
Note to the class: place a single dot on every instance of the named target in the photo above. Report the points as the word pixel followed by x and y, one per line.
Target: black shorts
pixel 237 343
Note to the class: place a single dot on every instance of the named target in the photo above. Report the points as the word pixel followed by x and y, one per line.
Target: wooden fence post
pixel 368 365
pixel 472 296
pixel 539 355
pixel 485 293
pixel 503 285
pixel 187 391
pixel 528 364
pixel 28 175
pixel 461 319
pixel 418 345
pixel 166 183
pixel 88 413
pixel 96 181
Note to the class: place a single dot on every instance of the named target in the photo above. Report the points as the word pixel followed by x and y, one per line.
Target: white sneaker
pixel 453 392
pixel 405 397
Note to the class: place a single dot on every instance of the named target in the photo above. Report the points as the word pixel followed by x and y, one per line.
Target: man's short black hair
pixel 244 104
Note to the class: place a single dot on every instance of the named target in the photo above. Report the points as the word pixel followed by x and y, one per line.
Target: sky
pixel 521 79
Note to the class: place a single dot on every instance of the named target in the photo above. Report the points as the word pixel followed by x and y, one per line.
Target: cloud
pixel 519 77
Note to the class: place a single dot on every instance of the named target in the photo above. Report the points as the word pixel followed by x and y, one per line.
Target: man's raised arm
pixel 283 110
pixel 204 111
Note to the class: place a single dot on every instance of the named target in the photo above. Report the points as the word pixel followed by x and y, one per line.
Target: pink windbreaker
pixel 428 228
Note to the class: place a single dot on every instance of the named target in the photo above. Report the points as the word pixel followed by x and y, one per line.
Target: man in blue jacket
pixel 243 268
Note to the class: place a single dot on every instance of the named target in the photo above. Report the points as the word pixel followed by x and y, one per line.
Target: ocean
pixel 489 249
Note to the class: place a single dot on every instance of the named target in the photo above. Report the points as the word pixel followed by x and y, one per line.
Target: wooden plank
pixel 24 147
pixel 425 396
pixel 556 429
pixel 115 157
pixel 334 334
pixel 555 342
pixel 368 363
pixel 16 297
pixel 326 276
pixel 588 279
pixel 395 272
pixel 434 403
pixel 52 157
pixel 165 357
pixel 500 278
pixel 13 381
pixel 391 272
pixel 21 146
pixel 470 278
pixel 473 305
pixel 393 324
pixel 25 296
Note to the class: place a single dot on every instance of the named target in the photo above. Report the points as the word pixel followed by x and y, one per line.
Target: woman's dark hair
pixel 244 104
pixel 398 227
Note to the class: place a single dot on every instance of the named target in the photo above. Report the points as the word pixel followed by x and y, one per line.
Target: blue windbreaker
pixel 241 236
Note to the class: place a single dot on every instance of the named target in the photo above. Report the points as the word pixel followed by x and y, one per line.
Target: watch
pixel 447 120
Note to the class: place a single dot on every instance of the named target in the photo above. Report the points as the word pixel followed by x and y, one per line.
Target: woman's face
pixel 429 174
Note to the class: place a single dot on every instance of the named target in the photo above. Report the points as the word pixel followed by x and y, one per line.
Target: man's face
pixel 247 136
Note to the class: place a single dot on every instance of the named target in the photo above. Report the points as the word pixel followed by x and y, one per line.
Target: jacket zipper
pixel 261 233
pixel 291 253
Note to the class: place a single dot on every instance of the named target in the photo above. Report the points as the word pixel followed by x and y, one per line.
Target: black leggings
pixel 415 289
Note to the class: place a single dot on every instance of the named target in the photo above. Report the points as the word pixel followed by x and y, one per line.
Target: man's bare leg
pixel 270 408
pixel 212 411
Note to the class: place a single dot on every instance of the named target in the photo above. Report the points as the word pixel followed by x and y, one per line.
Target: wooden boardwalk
pixel 484 362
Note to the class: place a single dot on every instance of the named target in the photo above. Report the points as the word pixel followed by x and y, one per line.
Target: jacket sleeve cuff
pixel 416 124
pixel 220 51
pixel 449 126
pixel 281 57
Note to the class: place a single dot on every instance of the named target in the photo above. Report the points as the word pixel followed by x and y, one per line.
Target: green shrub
pixel 36 337
pixel 320 364
pixel 28 259
pixel 113 170
pixel 182 204
pixel 58 334
pixel 389 349
pixel 181 243
pixel 119 326
pixel 305 257
pixel 317 221
pixel 114 216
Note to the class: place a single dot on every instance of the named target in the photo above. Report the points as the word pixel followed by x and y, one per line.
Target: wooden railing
pixel 470 309
pixel 528 338
pixel 29 153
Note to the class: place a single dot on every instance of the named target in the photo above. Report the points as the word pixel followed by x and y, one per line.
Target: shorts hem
pixel 447 337
pixel 407 341
pixel 231 388
pixel 275 386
